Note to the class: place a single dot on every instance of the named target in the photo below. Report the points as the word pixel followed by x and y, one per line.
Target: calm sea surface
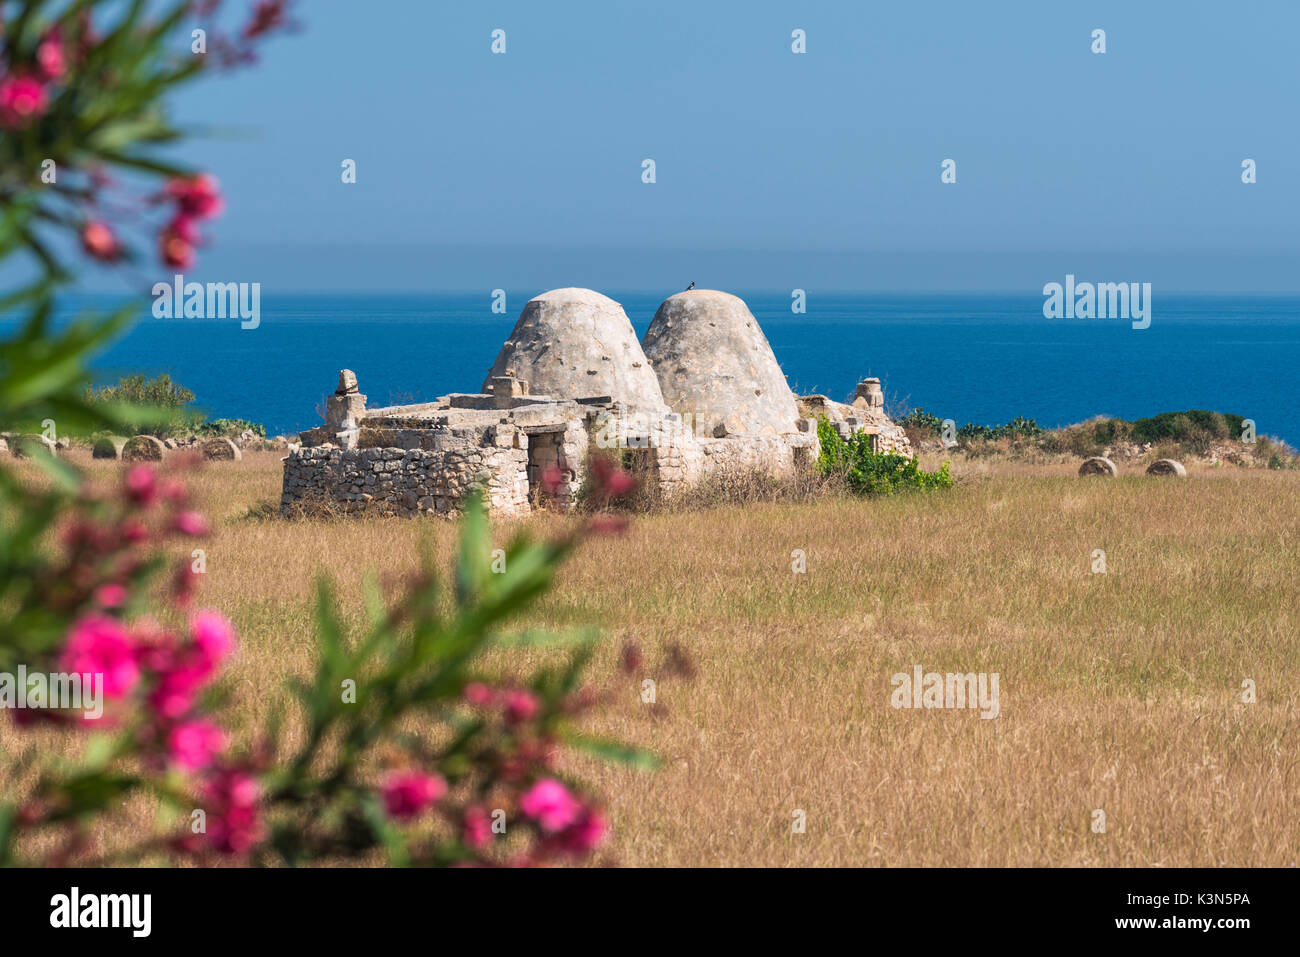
pixel 973 358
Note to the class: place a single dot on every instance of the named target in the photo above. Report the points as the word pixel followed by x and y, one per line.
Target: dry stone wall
pixel 404 481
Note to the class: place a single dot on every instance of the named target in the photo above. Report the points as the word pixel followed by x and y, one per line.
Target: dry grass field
pixel 1120 692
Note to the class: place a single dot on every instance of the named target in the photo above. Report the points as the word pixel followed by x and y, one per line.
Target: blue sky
pixel 774 170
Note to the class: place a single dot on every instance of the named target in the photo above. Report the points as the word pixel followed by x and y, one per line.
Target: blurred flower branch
pixel 99 582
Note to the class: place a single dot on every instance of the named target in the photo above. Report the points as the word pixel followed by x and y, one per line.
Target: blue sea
pixel 982 358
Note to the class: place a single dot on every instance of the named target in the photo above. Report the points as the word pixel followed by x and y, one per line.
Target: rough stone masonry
pixel 701 393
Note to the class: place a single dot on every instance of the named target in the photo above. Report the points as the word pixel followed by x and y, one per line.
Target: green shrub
pixel 1017 428
pixel 872 473
pixel 159 391
pixel 923 422
pixel 1194 426
pixel 1109 431
pixel 228 427
pixel 165 401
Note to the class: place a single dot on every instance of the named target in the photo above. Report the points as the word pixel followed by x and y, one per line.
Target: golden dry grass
pixel 1119 691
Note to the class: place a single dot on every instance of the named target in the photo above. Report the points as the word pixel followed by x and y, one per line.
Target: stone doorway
pixel 545 451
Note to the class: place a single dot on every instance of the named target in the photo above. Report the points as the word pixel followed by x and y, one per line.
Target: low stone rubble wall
pixel 404 481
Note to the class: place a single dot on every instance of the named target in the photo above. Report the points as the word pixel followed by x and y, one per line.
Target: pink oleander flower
pixel 49 56
pixel 189 522
pixel 185 227
pixel 194 745
pixel 213 637
pixel 141 485
pixel 476 827
pixel 586 832
pixel 234 822
pixel 175 251
pixel 110 596
pixel 267 16
pixel 196 196
pixel 407 793
pixel 610 479
pixel 521 706
pixel 550 804
pixel 100 645
pixel 479 694
pixel 98 241
pixel 177 690
pixel 182 671
pixel 553 478
pixel 156 648
pixel 22 99
pixel 620 483
pixel 173 490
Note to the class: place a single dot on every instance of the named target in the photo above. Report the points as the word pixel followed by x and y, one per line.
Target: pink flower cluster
pixel 197 199
pixel 231 799
pixel 409 793
pixel 148 673
pixel 25 93
pixel 105 554
pixel 517 706
pixel 173 672
pixel 569 825
pixel 23 99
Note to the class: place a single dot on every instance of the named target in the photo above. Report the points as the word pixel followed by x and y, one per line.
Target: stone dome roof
pixel 713 360
pixel 575 343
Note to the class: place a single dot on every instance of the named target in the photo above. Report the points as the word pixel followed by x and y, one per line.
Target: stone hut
pixel 574 343
pixel 702 393
pixel 712 359
pixel 716 367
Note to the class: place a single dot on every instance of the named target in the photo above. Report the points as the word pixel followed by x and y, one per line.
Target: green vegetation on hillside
pixel 1195 432
pixel 168 400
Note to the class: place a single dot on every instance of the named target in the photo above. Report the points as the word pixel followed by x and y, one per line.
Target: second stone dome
pixel 713 360
pixel 574 343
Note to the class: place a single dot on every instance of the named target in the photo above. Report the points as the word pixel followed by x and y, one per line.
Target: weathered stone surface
pixel 143 448
pixel 108 447
pixel 573 343
pixel 221 449
pixel 505 386
pixel 862 416
pixel 713 360
pixel 404 481
pixel 344 411
pixel 1167 467
pixel 869 395
pixel 1097 465
pixel 25 446
pixel 347 382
